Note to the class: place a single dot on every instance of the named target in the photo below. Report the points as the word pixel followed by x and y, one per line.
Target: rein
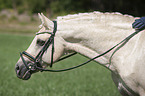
pixel 36 61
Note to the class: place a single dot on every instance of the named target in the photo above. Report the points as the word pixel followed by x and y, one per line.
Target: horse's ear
pixel 45 21
pixel 41 19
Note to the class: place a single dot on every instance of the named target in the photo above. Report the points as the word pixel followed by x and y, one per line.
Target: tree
pixel 62 7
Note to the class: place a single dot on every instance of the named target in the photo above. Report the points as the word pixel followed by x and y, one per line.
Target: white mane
pixel 99 16
pixel 96 19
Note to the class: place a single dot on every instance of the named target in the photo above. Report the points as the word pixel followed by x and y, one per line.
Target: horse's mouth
pixel 23 74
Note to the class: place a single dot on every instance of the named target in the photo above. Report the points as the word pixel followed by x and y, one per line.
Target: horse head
pixel 40 54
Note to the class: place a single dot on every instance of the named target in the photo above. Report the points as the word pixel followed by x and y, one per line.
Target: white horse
pixel 91 34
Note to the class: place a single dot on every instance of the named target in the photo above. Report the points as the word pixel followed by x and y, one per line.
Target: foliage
pixel 5 4
pixel 52 7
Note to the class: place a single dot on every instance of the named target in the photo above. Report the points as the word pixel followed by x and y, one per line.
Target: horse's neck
pixel 99 35
pixel 94 37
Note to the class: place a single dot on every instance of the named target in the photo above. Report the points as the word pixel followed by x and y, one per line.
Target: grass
pixel 90 80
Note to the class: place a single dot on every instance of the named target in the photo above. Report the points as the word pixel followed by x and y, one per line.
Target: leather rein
pixel 36 61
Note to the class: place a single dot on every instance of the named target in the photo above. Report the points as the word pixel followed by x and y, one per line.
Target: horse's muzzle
pixel 22 72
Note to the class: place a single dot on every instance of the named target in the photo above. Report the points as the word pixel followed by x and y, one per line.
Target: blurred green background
pixel 19 23
pixel 18 14
pixel 61 7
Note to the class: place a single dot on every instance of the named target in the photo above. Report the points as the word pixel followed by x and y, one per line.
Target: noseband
pixel 35 64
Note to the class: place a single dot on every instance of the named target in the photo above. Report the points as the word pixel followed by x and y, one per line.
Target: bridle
pixel 35 64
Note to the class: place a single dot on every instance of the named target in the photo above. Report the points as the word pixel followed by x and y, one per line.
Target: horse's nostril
pixel 17 67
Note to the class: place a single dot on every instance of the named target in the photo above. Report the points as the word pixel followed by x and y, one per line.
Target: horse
pixel 89 34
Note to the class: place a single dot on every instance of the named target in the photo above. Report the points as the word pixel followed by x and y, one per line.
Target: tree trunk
pixel 14 5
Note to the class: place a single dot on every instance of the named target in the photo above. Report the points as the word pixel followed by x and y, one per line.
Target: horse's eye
pixel 40 42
